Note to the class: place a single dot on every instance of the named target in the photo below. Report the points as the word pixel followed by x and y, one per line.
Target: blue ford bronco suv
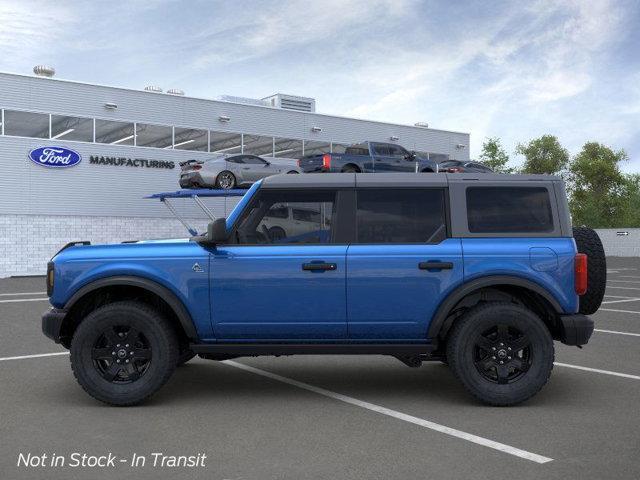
pixel 480 271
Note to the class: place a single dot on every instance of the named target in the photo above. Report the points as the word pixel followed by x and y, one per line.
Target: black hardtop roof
pixel 344 180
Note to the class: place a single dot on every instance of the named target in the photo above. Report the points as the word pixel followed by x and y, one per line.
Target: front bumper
pixel 52 324
pixel 575 329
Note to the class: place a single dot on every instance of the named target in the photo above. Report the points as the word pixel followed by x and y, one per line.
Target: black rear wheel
pixel 123 352
pixel 501 352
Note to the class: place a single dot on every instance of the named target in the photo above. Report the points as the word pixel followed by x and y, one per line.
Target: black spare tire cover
pixel 588 241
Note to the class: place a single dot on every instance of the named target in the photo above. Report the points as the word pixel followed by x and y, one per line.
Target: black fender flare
pixel 439 324
pixel 183 315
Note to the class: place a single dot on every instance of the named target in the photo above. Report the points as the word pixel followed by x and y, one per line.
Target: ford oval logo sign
pixel 56 157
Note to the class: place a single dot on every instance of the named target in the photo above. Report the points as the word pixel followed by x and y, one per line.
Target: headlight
pixel 50 275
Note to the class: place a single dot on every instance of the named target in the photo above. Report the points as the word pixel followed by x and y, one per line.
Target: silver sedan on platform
pixel 231 171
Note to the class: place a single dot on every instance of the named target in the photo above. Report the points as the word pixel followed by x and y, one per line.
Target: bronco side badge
pixel 197 268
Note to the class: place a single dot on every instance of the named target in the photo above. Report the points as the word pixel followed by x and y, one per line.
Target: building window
pixel 26 124
pixel 338 147
pixel 312 147
pixel 287 148
pixel 258 145
pixel 114 133
pixel 72 128
pixel 157 136
pixel 191 139
pixel 225 142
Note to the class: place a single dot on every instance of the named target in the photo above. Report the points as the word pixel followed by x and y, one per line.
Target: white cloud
pixel 29 31
pixel 276 26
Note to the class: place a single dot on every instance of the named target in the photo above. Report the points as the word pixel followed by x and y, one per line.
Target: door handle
pixel 435 265
pixel 315 267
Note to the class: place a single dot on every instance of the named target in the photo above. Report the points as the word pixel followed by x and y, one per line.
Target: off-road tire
pixel 153 328
pixel 588 241
pixel 462 347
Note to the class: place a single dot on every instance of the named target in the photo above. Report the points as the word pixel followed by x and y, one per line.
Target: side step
pixel 256 349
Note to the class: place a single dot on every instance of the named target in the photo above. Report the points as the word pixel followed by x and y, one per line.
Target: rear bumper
pixel 52 324
pixel 191 179
pixel 575 329
pixel 314 169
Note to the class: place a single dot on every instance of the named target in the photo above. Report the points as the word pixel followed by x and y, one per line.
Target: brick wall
pixel 27 242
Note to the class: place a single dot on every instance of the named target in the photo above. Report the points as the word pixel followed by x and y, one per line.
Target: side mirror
pixel 267 164
pixel 217 231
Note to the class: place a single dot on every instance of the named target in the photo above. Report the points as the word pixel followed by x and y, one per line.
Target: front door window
pixel 291 217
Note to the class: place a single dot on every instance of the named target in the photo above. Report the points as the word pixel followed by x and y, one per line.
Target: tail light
pixel 326 161
pixel 50 278
pixel 298 162
pixel 454 170
pixel 196 167
pixel 581 277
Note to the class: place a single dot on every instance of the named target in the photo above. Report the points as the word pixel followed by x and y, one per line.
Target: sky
pixel 513 70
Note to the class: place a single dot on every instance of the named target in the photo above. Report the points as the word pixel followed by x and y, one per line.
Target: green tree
pixel 631 201
pixel 494 156
pixel 600 192
pixel 543 155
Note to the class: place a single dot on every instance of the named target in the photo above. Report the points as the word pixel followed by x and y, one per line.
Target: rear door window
pixel 381 150
pixel 401 216
pixel 509 210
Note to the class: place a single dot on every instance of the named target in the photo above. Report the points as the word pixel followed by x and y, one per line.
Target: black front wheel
pixel 501 352
pixel 123 352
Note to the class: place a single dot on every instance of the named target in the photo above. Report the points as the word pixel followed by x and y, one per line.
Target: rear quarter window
pixel 509 210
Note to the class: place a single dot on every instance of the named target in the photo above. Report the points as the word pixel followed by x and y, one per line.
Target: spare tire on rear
pixel 588 241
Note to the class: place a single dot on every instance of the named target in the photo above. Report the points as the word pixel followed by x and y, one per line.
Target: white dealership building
pixel 129 144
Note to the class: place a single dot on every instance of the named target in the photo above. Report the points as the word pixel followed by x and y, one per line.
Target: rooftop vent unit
pixel 175 91
pixel 244 100
pixel 292 102
pixel 153 88
pixel 422 124
pixel 44 71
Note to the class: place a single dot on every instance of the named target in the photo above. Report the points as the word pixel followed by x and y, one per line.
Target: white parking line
pixel 21 293
pixel 597 370
pixel 630 299
pixel 616 296
pixel 627 276
pixel 619 311
pixel 624 281
pixel 622 288
pixel 39 355
pixel 395 414
pixel 617 333
pixel 17 300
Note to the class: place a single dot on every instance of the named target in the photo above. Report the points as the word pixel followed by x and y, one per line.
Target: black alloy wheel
pixel 502 354
pixel 121 354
